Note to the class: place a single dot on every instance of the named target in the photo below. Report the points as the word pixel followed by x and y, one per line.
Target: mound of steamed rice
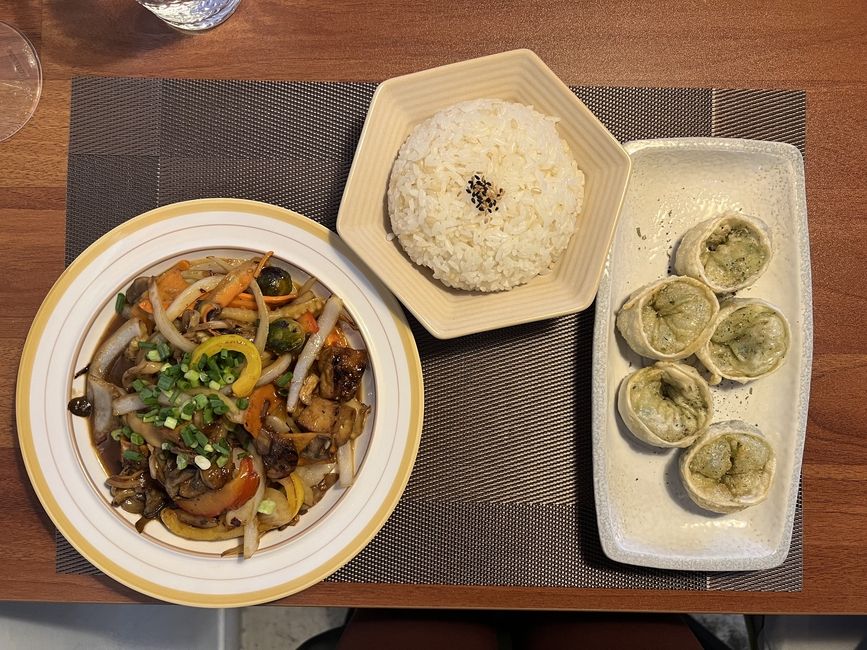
pixel 527 215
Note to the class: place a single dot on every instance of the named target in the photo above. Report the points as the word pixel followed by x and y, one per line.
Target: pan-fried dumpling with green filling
pixel 728 252
pixel 750 340
pixel 666 404
pixel 729 468
pixel 668 319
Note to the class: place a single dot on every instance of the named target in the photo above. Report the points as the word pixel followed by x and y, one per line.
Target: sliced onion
pixel 127 404
pixel 131 402
pixel 246 513
pixel 306 288
pixel 115 345
pixel 154 436
pixel 280 365
pixel 164 325
pixel 238 314
pixel 188 295
pixel 311 476
pixel 326 323
pixel 346 464
pixel 101 394
pixel 262 329
pixel 212 263
pixel 130 482
pixel 144 368
pixel 152 465
pixel 210 325
pixel 287 428
pixel 275 424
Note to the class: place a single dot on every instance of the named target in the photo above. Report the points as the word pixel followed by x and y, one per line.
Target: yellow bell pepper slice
pixel 246 381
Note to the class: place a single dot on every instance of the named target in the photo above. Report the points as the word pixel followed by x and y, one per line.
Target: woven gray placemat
pixel 499 495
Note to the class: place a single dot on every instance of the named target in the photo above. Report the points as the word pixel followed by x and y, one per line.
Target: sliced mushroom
pixel 282 457
pixel 341 369
pixel 320 415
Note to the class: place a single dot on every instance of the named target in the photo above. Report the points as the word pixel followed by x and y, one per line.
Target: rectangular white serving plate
pixel 645 516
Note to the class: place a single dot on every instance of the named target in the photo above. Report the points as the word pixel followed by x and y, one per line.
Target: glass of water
pixel 20 80
pixel 192 15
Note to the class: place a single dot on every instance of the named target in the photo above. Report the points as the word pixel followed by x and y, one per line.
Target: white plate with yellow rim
pixel 65 470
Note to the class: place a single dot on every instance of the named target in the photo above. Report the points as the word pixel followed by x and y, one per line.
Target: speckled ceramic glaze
pixel 645 516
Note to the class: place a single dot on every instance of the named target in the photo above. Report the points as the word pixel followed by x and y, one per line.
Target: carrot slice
pixel 308 322
pixel 258 398
pixel 170 285
pixel 337 337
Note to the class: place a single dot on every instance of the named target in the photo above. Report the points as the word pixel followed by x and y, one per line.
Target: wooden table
pixel 819 47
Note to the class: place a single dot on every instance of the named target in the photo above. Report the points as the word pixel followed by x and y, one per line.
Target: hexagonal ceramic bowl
pixel 401 103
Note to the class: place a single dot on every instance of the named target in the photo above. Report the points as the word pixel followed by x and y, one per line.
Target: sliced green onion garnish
pixel 188 437
pixel 182 461
pixel 222 460
pixel 200 401
pixel 201 438
pixel 119 303
pixel 208 416
pixel 115 435
pixel 136 439
pixel 208 448
pixel 191 374
pixel 214 385
pixel 153 355
pixel 170 423
pixel 165 382
pixel 243 403
pixel 166 446
pixel 221 447
pixel 164 350
pixel 202 462
pixel 266 507
pixel 130 454
pixel 283 379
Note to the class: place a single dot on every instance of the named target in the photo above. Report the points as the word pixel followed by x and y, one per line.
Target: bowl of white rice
pixel 484 194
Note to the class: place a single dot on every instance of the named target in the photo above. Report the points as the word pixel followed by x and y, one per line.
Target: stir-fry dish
pixel 225 399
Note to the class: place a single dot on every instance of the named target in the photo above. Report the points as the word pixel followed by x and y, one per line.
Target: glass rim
pixel 38 79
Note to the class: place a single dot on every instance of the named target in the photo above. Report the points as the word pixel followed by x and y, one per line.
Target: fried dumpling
pixel 666 404
pixel 750 339
pixel 668 319
pixel 728 252
pixel 729 468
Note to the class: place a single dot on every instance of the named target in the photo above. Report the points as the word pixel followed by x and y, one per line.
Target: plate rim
pixel 43 491
pixel 599 393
